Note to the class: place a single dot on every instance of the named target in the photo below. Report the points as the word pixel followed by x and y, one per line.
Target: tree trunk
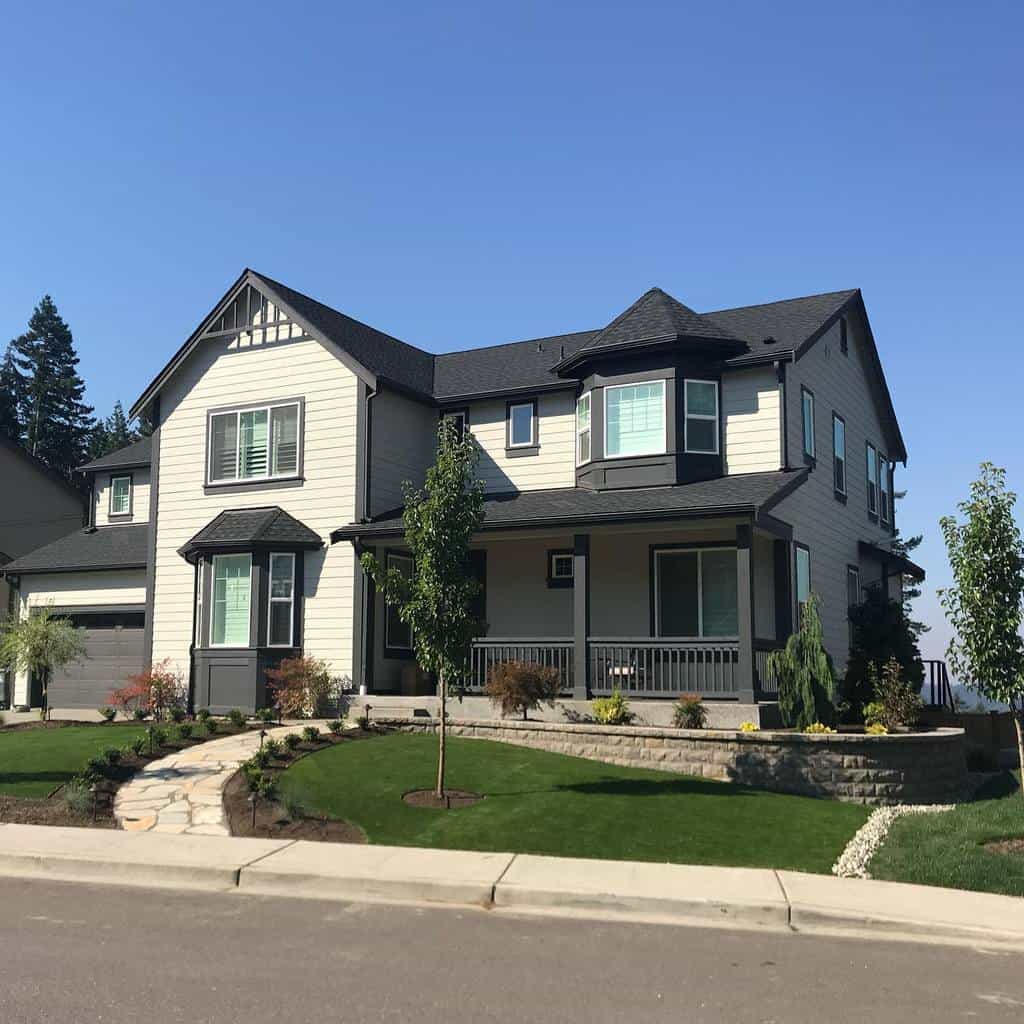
pixel 1018 720
pixel 441 733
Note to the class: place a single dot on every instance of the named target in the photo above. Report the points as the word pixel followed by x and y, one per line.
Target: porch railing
pixel 768 684
pixel 664 668
pixel 553 652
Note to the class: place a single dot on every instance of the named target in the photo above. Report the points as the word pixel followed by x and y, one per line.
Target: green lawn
pixel 537 802
pixel 948 849
pixel 33 762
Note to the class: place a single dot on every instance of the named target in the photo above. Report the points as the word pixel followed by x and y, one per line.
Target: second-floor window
pixel 522 426
pixel 872 478
pixel 634 419
pixel 120 495
pixel 839 453
pixel 883 488
pixel 807 407
pixel 803 576
pixel 255 443
pixel 700 398
pixel 583 429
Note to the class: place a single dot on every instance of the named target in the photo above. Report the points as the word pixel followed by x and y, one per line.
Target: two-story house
pixel 662 493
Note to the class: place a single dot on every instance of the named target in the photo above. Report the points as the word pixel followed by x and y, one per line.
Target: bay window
pixel 281 613
pixel 695 592
pixel 700 399
pixel 255 443
pixel 583 429
pixel 634 419
pixel 231 595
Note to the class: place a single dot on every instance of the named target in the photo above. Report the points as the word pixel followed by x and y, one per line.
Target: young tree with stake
pixel 985 605
pixel 436 601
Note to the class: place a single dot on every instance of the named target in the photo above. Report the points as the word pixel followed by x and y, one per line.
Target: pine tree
pixel 56 423
pixel 9 390
pixel 112 433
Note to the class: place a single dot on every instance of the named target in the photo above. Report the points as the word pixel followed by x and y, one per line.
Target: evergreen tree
pixel 9 389
pixel 804 670
pixel 911 589
pixel 56 423
pixel 112 433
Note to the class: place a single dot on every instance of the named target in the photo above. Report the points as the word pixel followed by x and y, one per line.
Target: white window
pixel 583 429
pixel 883 488
pixel 839 454
pixel 561 565
pixel 807 405
pixel 398 634
pixel 803 575
pixel 200 581
pixel 695 592
pixel 872 475
pixel 231 594
pixel 120 495
pixel 254 444
pixel 701 408
pixel 852 586
pixel 281 614
pixel 634 419
pixel 521 432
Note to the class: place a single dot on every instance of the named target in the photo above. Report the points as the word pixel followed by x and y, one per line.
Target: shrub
pixel 880 631
pixel 896 703
pixel 613 710
pixel 267 715
pixel 203 714
pixel 140 714
pixel 876 729
pixel 748 727
pixel 108 714
pixel 112 755
pixel 177 715
pixel 96 767
pixel 294 806
pixel 78 796
pixel 157 691
pixel 211 725
pixel 292 740
pixel 517 687
pixel 304 688
pixel 236 717
pixel 157 737
pixel 689 713
pixel 253 773
pixel 311 734
pixel 273 747
pixel 261 758
pixel 266 786
pixel 363 721
pixel 138 746
pixel 805 674
pixel 816 728
pixel 185 731
pixel 336 725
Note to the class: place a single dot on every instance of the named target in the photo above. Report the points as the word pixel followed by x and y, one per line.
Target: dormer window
pixel 254 443
pixel 701 401
pixel 121 495
pixel 634 419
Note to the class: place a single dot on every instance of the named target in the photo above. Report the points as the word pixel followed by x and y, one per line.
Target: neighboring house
pixel 662 493
pixel 38 505
pixel 96 576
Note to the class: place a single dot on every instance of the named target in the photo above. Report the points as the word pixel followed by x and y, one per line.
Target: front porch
pixel 653 610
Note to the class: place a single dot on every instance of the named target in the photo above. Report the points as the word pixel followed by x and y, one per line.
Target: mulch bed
pixel 272 820
pixel 453 798
pixel 1007 846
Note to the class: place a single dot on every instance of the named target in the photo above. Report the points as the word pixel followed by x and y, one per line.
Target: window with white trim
pixel 839 454
pixel 634 419
pixel 803 576
pixel 120 495
pixel 561 566
pixel 398 634
pixel 232 575
pixel 521 426
pixel 872 478
pixel 254 444
pixel 200 583
pixel 807 412
pixel 883 488
pixel 695 592
pixel 281 613
pixel 583 429
pixel 700 430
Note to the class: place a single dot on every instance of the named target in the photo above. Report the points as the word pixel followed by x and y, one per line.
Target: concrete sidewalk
pixel 518 883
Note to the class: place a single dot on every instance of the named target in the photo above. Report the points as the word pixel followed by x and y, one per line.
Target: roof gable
pixel 139 453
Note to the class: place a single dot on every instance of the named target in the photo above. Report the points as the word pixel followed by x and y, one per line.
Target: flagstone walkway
pixel 184 792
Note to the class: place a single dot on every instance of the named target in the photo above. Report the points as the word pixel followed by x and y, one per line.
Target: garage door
pixel 113 644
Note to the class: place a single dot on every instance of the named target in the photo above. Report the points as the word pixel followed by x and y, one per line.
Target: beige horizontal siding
pixel 750 405
pixel 140 497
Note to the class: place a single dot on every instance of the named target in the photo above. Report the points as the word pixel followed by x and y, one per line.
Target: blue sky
pixel 463 174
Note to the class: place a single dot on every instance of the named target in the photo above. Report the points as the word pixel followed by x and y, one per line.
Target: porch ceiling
pixel 748 494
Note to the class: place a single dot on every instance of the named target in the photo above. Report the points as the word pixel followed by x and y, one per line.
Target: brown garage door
pixel 113 644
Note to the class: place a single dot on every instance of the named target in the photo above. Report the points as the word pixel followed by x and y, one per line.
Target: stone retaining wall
pixel 915 768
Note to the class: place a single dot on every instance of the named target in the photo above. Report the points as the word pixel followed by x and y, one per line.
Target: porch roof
pixel 747 494
pixel 898 561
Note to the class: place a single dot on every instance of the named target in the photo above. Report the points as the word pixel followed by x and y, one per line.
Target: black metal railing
pixel 552 652
pixel 937 692
pixel 645 667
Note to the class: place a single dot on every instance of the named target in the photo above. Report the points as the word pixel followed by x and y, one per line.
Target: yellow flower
pixel 748 727
pixel 817 727
pixel 877 729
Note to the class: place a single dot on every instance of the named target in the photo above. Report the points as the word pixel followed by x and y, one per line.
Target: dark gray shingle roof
pixel 565 506
pixel 137 454
pixel 241 527
pixel 110 547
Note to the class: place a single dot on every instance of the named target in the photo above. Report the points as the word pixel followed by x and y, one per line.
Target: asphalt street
pixel 78 953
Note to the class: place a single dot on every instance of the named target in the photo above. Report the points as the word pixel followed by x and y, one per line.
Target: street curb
pixel 513 884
